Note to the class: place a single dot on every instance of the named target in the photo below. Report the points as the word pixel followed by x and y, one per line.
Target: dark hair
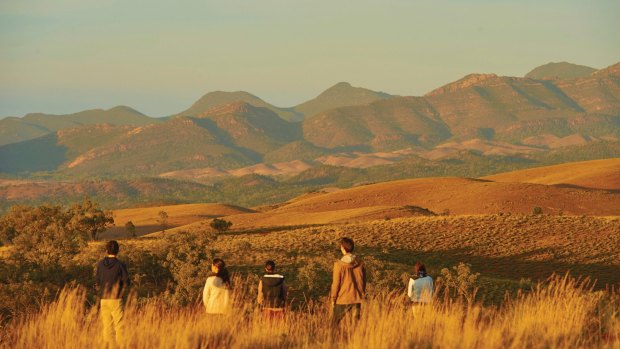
pixel 347 244
pixel 270 266
pixel 222 272
pixel 419 269
pixel 112 247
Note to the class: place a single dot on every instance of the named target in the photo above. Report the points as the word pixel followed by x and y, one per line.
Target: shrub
pixel 220 224
pixel 187 258
pixel 460 282
pixel 537 210
pixel 131 229
pixel 46 235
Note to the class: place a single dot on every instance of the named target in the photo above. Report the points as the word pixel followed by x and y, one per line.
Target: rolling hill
pixel 220 98
pixel 560 70
pixel 595 174
pixel 146 219
pixel 13 130
pixel 340 95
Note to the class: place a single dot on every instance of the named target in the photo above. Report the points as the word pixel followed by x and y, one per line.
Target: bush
pixel 220 224
pixel 188 261
pixel 46 235
pixel 537 210
pixel 460 282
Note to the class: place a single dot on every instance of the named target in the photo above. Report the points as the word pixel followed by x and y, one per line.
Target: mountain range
pixel 555 105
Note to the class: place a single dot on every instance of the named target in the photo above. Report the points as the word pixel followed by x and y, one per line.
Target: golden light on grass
pixel 560 313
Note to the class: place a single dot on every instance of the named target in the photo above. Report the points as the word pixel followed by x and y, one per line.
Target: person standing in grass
pixel 216 293
pixel 348 283
pixel 112 279
pixel 420 289
pixel 272 292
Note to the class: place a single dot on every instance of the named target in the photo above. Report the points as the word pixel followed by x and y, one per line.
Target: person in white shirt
pixel 216 293
pixel 420 289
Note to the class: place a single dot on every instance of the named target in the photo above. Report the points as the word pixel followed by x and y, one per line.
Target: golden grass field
pixel 560 314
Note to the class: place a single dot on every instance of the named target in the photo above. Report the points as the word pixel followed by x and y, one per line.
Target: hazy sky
pixel 160 56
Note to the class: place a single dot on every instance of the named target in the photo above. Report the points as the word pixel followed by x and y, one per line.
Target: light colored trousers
pixel 111 315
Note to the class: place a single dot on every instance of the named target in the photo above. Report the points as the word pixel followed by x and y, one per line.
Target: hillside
pixel 491 103
pixel 146 219
pixel 464 196
pixel 255 128
pixel 390 124
pixel 560 70
pixel 340 95
pixel 220 98
pixel 596 174
pixel 13 130
pixel 598 93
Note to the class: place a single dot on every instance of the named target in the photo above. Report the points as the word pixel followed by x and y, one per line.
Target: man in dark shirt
pixel 112 279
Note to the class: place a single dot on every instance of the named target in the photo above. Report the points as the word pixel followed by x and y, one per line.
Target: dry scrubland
pixel 512 253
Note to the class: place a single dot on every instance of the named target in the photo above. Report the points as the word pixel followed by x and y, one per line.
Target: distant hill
pixel 598 93
pixel 597 174
pixel 340 95
pixel 505 119
pixel 13 130
pixel 389 124
pixel 220 98
pixel 560 70
pixel 480 102
pixel 256 128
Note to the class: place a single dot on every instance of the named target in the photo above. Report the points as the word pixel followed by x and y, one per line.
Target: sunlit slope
pixel 464 196
pixel 147 219
pixel 599 174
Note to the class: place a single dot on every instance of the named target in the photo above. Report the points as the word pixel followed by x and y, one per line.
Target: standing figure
pixel 272 292
pixel 216 293
pixel 111 280
pixel 420 289
pixel 348 283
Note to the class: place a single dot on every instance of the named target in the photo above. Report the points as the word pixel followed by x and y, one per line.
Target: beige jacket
pixel 348 281
pixel 216 296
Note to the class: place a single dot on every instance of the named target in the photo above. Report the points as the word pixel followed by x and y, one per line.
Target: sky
pixel 63 56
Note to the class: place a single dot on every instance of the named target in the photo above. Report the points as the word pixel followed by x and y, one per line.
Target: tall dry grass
pixel 561 313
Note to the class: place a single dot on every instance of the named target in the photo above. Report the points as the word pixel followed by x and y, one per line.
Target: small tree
pixel 220 225
pixel 537 210
pixel 88 217
pixel 131 229
pixel 163 220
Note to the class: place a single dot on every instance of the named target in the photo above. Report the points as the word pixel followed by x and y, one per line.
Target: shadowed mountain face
pixel 35 125
pixel 489 101
pixel 383 125
pixel 561 70
pixel 340 95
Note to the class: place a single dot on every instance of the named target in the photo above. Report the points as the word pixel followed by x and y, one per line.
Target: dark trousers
pixel 351 311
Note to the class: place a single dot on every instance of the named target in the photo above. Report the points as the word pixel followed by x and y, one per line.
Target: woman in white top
pixel 216 294
pixel 420 289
